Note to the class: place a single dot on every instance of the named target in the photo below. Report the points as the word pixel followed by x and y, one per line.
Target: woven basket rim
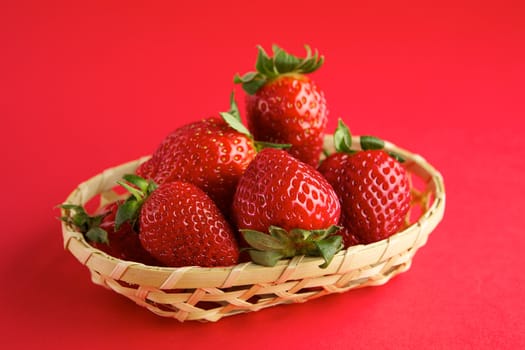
pixel 250 273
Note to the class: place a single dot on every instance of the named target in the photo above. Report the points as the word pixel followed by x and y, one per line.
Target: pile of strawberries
pixel 215 192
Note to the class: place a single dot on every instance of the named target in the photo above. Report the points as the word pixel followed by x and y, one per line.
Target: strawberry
pixel 284 105
pixel 100 231
pixel 179 224
pixel 372 185
pixel 284 207
pixel 211 153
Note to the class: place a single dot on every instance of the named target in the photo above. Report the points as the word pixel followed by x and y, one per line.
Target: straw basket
pixel 208 294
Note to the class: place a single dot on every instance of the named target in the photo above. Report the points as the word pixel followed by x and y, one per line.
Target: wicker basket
pixel 208 294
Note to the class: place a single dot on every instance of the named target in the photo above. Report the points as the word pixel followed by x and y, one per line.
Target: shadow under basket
pixel 209 294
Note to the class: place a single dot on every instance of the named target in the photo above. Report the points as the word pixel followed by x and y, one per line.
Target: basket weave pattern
pixel 208 294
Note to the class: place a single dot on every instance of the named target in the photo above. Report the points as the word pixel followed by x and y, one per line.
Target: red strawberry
pixel 211 153
pixel 100 231
pixel 284 105
pixel 179 224
pixel 291 201
pixel 372 185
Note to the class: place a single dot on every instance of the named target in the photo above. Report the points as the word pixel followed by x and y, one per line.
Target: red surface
pixel 88 86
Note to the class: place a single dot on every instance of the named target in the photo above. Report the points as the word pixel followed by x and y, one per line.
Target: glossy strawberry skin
pixel 123 243
pixel 290 109
pixel 374 190
pixel 181 226
pixel 279 190
pixel 207 153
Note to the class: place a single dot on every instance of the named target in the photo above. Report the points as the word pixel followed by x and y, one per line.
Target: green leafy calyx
pixel 342 138
pixel 140 189
pixel 267 249
pixel 282 62
pixel 86 224
pixel 233 119
pixel 343 142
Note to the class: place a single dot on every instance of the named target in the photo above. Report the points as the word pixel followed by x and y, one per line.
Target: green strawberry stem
pixel 86 224
pixel 343 142
pixel 268 249
pixel 282 62
pixel 140 189
pixel 233 119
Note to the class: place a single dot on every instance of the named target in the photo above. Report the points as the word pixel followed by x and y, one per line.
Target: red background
pixel 88 86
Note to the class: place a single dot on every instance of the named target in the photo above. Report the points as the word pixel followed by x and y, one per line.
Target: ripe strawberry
pixel 284 105
pixel 372 185
pixel 284 207
pixel 100 231
pixel 211 153
pixel 179 224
